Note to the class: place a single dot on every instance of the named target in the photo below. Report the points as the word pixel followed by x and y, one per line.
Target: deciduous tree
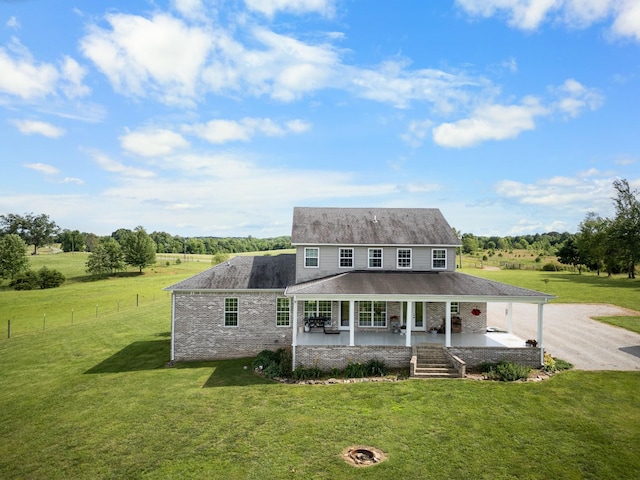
pixel 12 256
pixel 139 249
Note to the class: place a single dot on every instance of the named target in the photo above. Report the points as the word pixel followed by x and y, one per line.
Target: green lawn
pixel 94 400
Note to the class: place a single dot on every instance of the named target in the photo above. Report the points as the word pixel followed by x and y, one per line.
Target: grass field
pixel 93 400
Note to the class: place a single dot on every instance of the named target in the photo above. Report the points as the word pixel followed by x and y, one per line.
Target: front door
pixel 344 315
pixel 417 322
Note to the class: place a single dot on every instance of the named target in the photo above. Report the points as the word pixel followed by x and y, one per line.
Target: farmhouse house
pixel 364 283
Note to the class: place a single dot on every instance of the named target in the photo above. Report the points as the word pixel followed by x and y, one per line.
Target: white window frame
pixel 350 257
pixel 404 258
pixel 283 312
pixel 455 308
pixel 369 316
pixel 370 258
pixel 438 259
pixel 307 257
pixel 231 311
pixel 319 308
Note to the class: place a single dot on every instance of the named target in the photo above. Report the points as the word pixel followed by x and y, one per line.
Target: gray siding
pixel 330 260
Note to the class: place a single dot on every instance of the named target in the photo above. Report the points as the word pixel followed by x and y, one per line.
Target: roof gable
pixel 371 226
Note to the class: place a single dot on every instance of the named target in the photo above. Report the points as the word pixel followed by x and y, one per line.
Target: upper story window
pixel 404 258
pixel 312 257
pixel 375 258
pixel 438 258
pixel 346 258
pixel 230 312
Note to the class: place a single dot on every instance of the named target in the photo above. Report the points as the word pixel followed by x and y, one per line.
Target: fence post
pixel 137 300
pixel 96 310
pixel 44 320
pixel 8 328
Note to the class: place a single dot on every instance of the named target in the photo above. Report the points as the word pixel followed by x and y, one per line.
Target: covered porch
pixel 488 339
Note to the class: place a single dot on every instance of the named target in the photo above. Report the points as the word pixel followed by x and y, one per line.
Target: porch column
pixel 447 324
pixel 352 323
pixel 540 309
pixel 294 336
pixel 510 318
pixel 408 329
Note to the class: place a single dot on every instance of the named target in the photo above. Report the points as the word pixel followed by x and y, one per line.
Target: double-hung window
pixel 230 312
pixel 404 258
pixel 282 312
pixel 375 258
pixel 312 257
pixel 346 258
pixel 372 314
pixel 438 259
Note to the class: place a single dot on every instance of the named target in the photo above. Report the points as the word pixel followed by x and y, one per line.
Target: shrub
pixel 505 371
pixel 376 368
pixel 273 363
pixel 49 278
pixel 552 267
pixel 25 281
pixel 355 370
pixel 304 373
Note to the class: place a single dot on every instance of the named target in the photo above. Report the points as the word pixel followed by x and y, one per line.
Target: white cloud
pixel 162 54
pixel 153 142
pixel 271 7
pixel 575 98
pixel 72 75
pixel 77 181
pixel 490 122
pixel 190 8
pixel 579 193
pixel 417 132
pixel 114 166
pixel 13 23
pixel 223 131
pixel 627 20
pixel 22 76
pixel 42 168
pixel 531 14
pixel 29 127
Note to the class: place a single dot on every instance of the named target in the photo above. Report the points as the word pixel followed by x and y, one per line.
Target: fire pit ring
pixel 362 456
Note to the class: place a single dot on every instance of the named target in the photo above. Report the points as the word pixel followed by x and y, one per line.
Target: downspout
pixel 294 335
pixel 352 323
pixel 540 316
pixel 173 325
pixel 447 328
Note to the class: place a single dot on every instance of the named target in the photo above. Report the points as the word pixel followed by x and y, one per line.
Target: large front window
pixel 372 314
pixel 312 257
pixel 438 259
pixel 317 308
pixel 375 258
pixel 230 312
pixel 404 258
pixel 282 312
pixel 346 258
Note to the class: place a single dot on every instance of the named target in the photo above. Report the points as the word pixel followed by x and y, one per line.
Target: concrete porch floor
pixel 489 339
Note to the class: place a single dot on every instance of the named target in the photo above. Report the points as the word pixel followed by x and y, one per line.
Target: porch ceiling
pixel 419 285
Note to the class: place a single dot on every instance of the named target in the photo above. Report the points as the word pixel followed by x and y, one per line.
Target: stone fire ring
pixel 362 456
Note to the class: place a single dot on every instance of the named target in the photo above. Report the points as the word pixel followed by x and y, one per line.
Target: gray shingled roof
pixel 240 273
pixel 371 226
pixel 422 284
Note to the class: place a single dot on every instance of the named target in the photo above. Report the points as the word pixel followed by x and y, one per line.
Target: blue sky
pixel 216 118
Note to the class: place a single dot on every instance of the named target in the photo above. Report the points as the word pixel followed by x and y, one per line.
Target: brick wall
pixel 470 323
pixel 200 333
pixel 474 356
pixel 328 357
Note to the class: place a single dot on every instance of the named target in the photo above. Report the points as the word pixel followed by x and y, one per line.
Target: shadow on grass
pixel 232 373
pixel 138 356
pixel 602 280
pixel 154 355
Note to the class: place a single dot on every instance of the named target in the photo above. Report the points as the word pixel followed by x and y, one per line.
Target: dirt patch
pixel 363 456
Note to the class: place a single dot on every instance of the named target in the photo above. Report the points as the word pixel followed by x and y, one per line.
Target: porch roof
pixel 428 286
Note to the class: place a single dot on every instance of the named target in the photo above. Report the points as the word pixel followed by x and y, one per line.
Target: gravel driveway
pixel 569 333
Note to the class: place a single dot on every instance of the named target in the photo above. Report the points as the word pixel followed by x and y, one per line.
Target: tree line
pixel 601 244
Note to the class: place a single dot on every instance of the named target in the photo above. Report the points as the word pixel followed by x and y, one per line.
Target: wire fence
pixel 81 314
